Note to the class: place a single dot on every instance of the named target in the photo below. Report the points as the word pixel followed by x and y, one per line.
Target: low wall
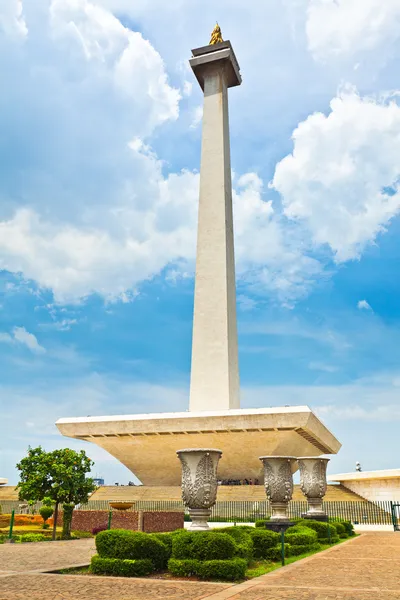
pixel 150 522
pixel 375 490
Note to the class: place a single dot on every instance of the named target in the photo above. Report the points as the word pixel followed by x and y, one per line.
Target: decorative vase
pixel 313 484
pixel 278 481
pixel 199 483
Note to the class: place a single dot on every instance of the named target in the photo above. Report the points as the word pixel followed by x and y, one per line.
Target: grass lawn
pixel 18 529
pixel 258 568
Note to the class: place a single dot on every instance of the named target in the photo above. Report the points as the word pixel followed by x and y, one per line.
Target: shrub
pixel 261 522
pixel 31 537
pixel 166 539
pixel 226 570
pixel 348 525
pixel 46 512
pixel 303 549
pixel 262 541
pixel 207 545
pixel 241 536
pixel 121 567
pixel 82 534
pixel 183 568
pixel 97 530
pixel 319 526
pixel 132 545
pixel 301 536
pixel 341 529
pixel 275 553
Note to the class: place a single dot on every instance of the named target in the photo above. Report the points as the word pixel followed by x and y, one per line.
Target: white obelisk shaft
pixel 215 373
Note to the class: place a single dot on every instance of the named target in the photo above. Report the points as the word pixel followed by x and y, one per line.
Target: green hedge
pixel 242 537
pixel 348 525
pixel 131 545
pixel 31 537
pixel 183 568
pixel 121 567
pixel 262 541
pixel 225 570
pixel 303 549
pixel 301 536
pixel 206 545
pixel 261 522
pixel 275 553
pixel 319 526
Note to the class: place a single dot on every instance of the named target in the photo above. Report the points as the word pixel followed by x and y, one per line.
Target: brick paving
pixel 365 568
pixel 44 556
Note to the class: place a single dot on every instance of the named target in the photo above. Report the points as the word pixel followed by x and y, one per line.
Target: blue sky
pixel 100 120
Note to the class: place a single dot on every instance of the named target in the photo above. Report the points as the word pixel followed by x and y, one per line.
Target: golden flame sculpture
pixel 216 35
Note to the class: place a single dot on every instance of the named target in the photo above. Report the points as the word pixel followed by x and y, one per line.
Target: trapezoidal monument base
pixel 147 444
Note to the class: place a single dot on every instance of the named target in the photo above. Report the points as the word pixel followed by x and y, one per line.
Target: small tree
pixel 59 475
pixel 46 511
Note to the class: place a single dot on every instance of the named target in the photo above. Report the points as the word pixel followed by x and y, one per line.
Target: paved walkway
pixel 364 568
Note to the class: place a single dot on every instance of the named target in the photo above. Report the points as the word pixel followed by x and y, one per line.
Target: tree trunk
pixel 55 522
pixel 68 509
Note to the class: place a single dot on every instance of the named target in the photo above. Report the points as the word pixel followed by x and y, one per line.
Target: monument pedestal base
pixel 199 518
pixel 279 526
pixel 316 517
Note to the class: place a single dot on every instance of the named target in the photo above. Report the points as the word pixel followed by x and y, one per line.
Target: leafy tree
pixel 59 475
pixel 46 512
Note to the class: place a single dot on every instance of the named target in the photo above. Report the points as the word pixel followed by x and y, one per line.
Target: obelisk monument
pixel 214 383
pixel 147 443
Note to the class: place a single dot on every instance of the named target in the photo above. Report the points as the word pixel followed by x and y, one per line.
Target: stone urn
pixel 278 481
pixel 199 483
pixel 121 505
pixel 313 485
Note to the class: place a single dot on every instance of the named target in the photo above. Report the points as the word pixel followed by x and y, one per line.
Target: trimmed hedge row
pixel 218 554
pixel 226 570
pixel 121 567
pixel 132 545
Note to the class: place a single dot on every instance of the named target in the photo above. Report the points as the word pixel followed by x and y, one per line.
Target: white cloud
pixel 12 20
pixel 341 181
pixel 197 117
pixel 187 88
pixel 27 339
pixel 6 338
pixel 363 305
pixel 345 27
pixel 320 366
pixel 384 414
pixel 21 336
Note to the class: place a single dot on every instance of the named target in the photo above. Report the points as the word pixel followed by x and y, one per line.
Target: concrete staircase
pixel 226 493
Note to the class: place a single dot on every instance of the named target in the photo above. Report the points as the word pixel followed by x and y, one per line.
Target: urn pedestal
pixel 278 481
pixel 313 485
pixel 199 483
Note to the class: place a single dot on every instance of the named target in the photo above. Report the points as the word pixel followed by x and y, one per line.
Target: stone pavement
pixel 364 568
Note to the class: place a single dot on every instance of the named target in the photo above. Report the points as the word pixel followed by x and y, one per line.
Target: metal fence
pixel 368 513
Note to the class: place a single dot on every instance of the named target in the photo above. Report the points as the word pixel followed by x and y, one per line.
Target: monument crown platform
pixel 147 443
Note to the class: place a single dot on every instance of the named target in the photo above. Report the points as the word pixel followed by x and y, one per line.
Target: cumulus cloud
pixel 363 305
pixel 12 21
pixel 93 211
pixel 345 27
pixel 21 336
pixel 341 181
